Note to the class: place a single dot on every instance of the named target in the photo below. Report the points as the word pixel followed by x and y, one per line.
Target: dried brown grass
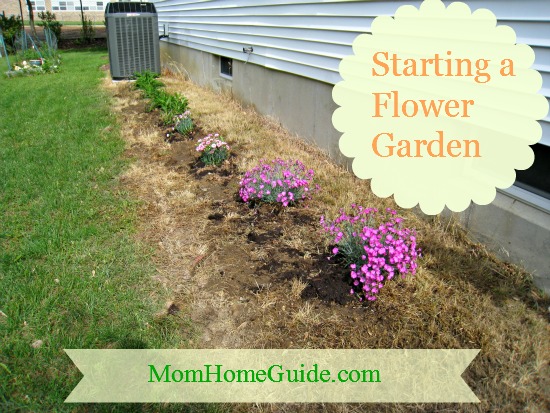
pixel 462 296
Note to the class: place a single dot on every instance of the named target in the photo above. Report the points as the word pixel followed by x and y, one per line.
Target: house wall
pixel 298 46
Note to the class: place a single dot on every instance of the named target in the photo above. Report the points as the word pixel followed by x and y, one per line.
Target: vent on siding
pixel 132 38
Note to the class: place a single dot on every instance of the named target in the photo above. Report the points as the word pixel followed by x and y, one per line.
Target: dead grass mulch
pixel 259 278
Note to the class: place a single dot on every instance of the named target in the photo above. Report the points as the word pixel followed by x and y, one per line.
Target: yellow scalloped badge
pixel 438 106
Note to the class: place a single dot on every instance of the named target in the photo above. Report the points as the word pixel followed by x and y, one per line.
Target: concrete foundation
pixel 272 93
pixel 516 230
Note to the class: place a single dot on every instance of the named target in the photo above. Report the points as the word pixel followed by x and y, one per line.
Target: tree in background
pixel 87 30
pixel 49 20
pixel 31 18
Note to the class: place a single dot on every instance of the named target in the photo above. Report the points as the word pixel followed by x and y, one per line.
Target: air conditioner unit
pixel 132 38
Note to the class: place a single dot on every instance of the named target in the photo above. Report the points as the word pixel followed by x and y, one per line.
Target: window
pixel 39 5
pixel 87 5
pixel 536 179
pixel 226 66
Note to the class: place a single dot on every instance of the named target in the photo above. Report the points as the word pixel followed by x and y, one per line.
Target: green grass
pixel 70 273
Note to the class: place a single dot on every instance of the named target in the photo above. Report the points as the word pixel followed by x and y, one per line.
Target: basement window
pixel 536 179
pixel 226 66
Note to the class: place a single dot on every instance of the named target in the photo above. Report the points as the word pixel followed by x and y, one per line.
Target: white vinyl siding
pixel 309 38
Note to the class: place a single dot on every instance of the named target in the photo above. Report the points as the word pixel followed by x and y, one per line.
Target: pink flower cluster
pixel 210 143
pixel 374 246
pixel 280 181
pixel 181 116
pixel 214 150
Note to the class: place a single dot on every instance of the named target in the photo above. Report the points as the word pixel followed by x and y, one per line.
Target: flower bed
pixel 34 67
pixel 373 246
pixel 262 278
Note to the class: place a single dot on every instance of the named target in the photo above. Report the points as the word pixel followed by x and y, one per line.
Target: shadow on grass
pixel 487 274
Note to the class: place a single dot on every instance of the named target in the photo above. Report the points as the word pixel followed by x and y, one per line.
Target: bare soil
pixel 259 277
pixel 70 36
pixel 262 227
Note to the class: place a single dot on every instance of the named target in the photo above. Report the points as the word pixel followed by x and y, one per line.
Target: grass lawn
pixel 70 273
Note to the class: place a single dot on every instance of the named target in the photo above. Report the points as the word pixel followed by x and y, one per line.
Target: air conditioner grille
pixel 133 42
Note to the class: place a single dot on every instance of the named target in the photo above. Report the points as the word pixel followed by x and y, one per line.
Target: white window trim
pixel 527 197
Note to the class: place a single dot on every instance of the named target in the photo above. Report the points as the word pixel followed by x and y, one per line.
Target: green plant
pixel 10 27
pixel 26 55
pixel 159 100
pixel 148 83
pixel 176 103
pixel 49 21
pixel 87 31
pixel 169 104
pixel 183 123
pixel 214 150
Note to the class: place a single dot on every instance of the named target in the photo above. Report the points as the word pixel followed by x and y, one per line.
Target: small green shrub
pixel 87 32
pixel 183 123
pixel 148 83
pixel 26 55
pixel 175 104
pixel 159 100
pixel 169 104
pixel 49 21
pixel 11 27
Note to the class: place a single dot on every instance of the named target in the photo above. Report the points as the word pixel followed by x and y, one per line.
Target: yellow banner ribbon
pixel 272 376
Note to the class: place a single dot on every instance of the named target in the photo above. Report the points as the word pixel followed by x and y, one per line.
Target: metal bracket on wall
pixel 248 50
pixel 164 35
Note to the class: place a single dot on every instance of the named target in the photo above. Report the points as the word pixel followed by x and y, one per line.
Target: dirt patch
pixel 260 277
pixel 259 233
pixel 72 44
pixel 70 36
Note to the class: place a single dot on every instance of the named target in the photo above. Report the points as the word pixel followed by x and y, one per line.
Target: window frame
pixel 229 64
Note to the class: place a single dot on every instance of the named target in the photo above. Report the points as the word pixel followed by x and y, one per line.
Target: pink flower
pixel 376 243
pixel 289 181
